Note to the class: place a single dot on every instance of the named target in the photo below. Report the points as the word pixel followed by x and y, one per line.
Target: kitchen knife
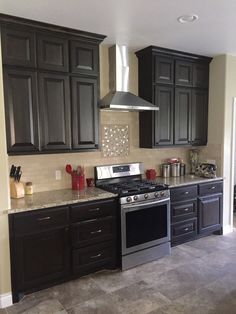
pixel 12 171
pixel 17 173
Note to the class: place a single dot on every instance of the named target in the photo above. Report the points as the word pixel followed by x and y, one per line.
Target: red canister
pixel 151 174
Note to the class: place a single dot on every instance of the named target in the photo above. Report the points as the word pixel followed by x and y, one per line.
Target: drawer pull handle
pixel 186 209
pixel 94 209
pixel 186 193
pixel 186 229
pixel 44 218
pixel 96 256
pixel 212 188
pixel 97 231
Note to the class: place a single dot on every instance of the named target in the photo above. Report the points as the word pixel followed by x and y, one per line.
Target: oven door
pixel 144 225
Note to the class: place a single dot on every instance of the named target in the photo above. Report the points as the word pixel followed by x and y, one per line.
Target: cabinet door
pixel 20 92
pixel 164 70
pixel 183 73
pixel 164 99
pixel 182 115
pixel 52 53
pixel 201 75
pixel 210 213
pixel 84 58
pixel 85 113
pixel 41 259
pixel 54 97
pixel 18 47
pixel 199 117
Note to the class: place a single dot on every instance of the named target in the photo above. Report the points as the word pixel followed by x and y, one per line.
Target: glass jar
pixel 29 188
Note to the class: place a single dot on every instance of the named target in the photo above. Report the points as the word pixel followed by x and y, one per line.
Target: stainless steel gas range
pixel 144 212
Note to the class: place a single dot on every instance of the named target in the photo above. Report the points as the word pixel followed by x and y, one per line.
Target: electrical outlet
pixel 58 174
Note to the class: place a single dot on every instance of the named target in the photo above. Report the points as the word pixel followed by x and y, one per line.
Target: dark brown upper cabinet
pixel 176 82
pixel 52 53
pixel 20 92
pixel 164 99
pixel 183 73
pixel 164 70
pixel 201 75
pixel 182 115
pixel 18 47
pixel 84 113
pixel 54 104
pixel 84 58
pixel 199 116
pixel 39 89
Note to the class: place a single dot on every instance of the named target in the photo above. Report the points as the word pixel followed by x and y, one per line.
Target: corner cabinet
pixel 177 83
pixel 51 87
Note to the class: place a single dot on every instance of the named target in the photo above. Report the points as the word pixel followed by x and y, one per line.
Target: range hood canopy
pixel 119 98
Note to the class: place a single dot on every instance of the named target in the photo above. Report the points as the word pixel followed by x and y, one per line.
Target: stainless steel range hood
pixel 119 98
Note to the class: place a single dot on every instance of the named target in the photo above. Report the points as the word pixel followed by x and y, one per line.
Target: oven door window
pixel 145 225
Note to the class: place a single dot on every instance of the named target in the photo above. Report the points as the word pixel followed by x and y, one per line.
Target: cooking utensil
pixel 12 171
pixel 18 173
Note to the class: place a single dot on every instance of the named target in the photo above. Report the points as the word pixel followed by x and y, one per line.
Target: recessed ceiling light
pixel 188 18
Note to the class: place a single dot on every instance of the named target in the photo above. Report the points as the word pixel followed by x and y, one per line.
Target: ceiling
pixel 140 23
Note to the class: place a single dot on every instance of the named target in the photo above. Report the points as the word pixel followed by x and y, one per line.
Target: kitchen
pixel 41 168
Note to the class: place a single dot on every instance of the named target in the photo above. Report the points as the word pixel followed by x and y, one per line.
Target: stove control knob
pixel 163 193
pixel 128 199
pixel 145 196
pixel 156 194
pixel 135 197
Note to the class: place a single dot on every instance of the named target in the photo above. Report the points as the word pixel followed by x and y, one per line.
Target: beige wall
pixel 4 201
pixel 41 169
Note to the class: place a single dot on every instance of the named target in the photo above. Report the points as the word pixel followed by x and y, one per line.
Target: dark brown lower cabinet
pixel 210 213
pixel 52 245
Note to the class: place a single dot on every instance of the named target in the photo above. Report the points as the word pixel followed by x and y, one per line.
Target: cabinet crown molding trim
pixel 10 19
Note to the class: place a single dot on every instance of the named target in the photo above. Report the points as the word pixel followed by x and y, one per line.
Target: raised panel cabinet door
pixel 210 213
pixel 164 70
pixel 183 73
pixel 199 117
pixel 41 259
pixel 52 53
pixel 84 113
pixel 55 113
pixel 18 47
pixel 164 99
pixel 182 115
pixel 84 58
pixel 201 75
pixel 21 107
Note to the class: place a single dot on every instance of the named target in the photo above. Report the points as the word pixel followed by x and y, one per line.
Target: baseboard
pixel 5 300
pixel 227 229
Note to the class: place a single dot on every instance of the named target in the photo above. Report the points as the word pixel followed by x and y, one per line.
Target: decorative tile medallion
pixel 115 140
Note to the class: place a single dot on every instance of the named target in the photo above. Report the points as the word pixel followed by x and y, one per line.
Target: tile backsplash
pixel 40 169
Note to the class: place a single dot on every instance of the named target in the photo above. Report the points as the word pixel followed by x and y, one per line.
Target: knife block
pixel 17 189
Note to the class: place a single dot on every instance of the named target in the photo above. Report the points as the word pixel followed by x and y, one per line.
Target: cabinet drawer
pixel 183 210
pixel 93 231
pixel 93 210
pixel 183 193
pixel 40 220
pixel 183 231
pixel 210 188
pixel 92 258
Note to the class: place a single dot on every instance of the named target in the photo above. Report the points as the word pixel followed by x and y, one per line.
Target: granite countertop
pixel 186 180
pixel 56 198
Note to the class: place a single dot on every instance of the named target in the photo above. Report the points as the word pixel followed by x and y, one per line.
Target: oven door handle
pixel 136 206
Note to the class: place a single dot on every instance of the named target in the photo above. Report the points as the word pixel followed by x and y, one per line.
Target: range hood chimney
pixel 119 98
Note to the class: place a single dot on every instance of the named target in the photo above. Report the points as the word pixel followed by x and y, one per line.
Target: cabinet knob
pixel 212 188
pixel 97 231
pixel 94 209
pixel 96 256
pixel 186 209
pixel 44 218
pixel 186 229
pixel 186 193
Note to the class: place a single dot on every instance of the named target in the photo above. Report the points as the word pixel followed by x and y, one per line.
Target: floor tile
pixel 37 307
pixel 184 279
